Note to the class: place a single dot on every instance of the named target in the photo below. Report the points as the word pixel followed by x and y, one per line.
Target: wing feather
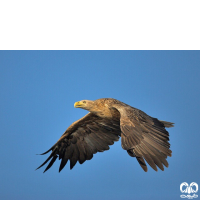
pixel 87 136
pixel 144 137
pixel 51 163
pixel 63 162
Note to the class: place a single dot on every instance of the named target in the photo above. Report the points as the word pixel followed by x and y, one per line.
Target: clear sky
pixel 38 90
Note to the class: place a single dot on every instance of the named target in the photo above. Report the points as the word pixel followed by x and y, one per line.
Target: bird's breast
pixel 108 113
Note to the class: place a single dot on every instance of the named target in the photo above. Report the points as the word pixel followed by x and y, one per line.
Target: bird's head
pixel 84 104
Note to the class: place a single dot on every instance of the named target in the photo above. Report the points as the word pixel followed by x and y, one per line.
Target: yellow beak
pixel 78 104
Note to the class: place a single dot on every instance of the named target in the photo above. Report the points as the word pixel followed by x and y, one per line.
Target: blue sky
pixel 38 90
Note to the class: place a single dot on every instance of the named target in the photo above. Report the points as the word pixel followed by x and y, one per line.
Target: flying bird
pixel 142 136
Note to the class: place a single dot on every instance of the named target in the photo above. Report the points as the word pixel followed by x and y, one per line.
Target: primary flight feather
pixel 142 136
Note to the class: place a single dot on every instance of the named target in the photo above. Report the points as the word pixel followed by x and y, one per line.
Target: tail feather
pixel 167 124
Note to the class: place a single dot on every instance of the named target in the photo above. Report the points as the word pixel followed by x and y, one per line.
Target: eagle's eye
pixel 84 101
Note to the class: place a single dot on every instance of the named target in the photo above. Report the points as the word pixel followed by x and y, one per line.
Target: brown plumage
pixel 142 136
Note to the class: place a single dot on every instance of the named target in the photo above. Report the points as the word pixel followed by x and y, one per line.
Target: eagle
pixel 142 136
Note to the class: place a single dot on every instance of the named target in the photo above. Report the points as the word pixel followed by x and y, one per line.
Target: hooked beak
pixel 78 104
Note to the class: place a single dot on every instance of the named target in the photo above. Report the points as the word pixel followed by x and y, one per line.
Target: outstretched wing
pixel 85 137
pixel 144 137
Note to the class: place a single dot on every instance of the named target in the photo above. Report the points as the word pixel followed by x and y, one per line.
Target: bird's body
pixel 142 136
